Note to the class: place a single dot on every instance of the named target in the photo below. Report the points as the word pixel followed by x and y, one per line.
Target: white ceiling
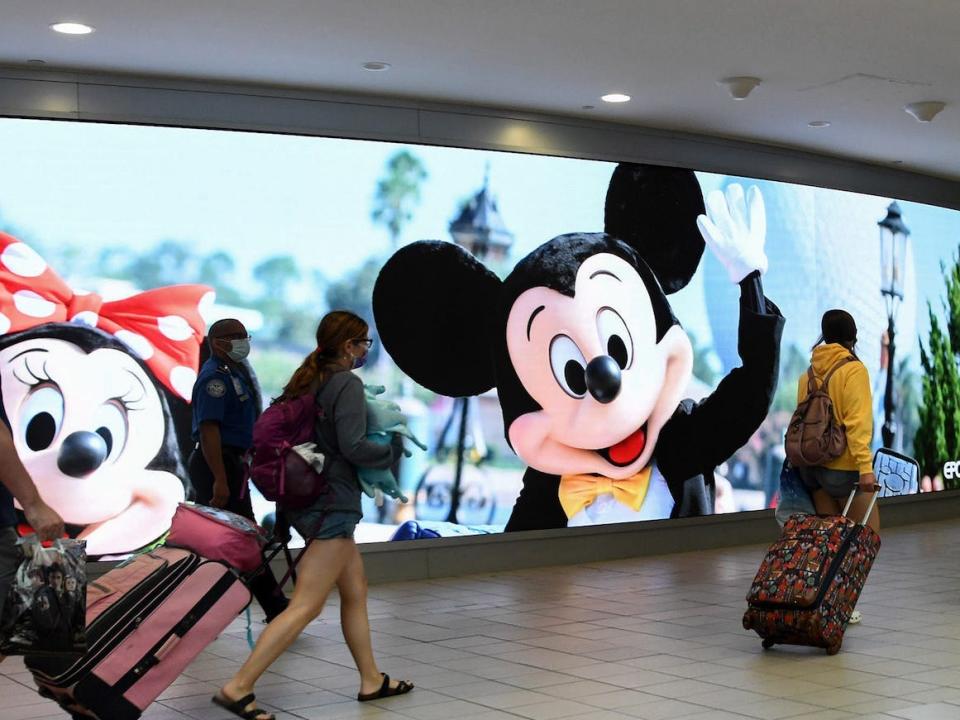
pixel 852 62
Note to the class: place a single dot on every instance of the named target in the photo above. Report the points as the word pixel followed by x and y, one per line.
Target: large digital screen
pixel 554 382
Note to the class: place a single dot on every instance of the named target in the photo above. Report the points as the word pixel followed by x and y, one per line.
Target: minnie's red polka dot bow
pixel 163 327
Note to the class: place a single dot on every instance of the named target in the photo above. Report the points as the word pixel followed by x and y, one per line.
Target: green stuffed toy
pixel 385 424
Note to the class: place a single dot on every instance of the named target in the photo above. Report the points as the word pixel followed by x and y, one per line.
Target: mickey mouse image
pixel 585 352
pixel 96 393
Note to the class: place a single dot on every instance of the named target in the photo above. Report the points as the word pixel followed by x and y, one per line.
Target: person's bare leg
pixel 352 586
pixel 859 507
pixel 825 503
pixel 316 574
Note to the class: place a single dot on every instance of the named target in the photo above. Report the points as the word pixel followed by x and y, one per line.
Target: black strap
pixel 836 367
pixel 187 622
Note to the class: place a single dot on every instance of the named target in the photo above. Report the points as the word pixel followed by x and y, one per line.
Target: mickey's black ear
pixel 431 302
pixel 654 210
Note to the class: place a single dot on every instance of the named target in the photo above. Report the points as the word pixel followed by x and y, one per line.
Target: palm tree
pixel 397 193
pixel 276 274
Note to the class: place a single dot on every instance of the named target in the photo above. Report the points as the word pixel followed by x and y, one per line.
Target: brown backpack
pixel 814 437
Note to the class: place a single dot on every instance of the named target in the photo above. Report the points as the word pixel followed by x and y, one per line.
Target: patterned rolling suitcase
pixel 809 582
pixel 146 620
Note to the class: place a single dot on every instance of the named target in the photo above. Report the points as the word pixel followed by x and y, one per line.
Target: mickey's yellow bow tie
pixel 578 491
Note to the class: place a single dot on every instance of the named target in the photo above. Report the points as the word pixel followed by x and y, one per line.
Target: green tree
pixel 276 274
pixel 283 321
pixel 170 262
pixel 908 394
pixel 397 193
pixel 937 438
pixel 793 363
pixel 354 292
pixel 216 270
pixel 113 261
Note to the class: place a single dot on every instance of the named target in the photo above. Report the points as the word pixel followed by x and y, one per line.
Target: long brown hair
pixel 334 330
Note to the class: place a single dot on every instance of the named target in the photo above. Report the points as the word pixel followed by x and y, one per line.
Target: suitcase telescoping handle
pixel 873 500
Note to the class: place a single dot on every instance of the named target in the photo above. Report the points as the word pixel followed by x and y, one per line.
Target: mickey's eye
pixel 41 417
pixel 615 338
pixel 569 367
pixel 111 424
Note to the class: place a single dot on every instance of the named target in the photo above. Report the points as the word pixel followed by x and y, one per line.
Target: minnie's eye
pixel 111 424
pixel 615 338
pixel 41 417
pixel 568 365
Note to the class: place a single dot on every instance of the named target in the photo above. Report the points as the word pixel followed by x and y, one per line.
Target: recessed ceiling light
pixel 616 98
pixel 819 123
pixel 739 87
pixel 376 66
pixel 71 28
pixel 925 111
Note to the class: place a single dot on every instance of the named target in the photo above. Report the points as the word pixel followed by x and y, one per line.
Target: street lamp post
pixel 893 254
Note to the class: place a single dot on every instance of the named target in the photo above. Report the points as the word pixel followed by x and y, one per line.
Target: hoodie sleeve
pixel 857 416
pixel 350 423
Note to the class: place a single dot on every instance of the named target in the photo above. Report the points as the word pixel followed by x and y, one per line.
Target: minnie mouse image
pixel 97 395
pixel 589 361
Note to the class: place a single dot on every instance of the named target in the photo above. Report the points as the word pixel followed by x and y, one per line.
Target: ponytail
pixel 311 374
pixel 335 329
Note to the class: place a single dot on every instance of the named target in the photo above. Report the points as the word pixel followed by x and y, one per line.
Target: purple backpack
pixel 275 468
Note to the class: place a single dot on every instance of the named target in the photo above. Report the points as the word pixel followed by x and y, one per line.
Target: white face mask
pixel 239 349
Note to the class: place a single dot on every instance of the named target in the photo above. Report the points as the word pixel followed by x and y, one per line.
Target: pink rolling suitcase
pixel 146 621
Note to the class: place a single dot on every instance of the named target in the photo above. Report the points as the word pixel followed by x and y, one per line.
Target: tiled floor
pixel 651 638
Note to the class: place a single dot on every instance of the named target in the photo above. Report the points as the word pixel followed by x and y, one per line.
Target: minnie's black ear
pixel 431 302
pixel 654 210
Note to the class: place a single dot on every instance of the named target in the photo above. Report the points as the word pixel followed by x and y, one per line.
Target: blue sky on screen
pixel 254 195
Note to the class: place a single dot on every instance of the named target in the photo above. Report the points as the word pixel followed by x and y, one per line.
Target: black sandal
pixel 385 691
pixel 237 707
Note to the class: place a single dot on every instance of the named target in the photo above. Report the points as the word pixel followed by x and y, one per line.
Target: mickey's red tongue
pixel 629 449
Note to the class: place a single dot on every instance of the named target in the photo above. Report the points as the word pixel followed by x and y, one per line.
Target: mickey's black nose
pixel 603 378
pixel 81 454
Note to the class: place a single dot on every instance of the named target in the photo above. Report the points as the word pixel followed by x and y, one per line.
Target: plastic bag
pixel 794 496
pixel 46 609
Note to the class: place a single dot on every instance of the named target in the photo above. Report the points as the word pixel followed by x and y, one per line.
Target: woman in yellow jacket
pixel 849 390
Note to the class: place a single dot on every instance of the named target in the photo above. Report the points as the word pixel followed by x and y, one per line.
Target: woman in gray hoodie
pixel 332 557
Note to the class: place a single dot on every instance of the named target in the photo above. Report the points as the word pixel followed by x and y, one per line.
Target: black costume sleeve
pixel 698 438
pixel 538 506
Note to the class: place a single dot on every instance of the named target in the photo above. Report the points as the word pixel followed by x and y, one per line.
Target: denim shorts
pixel 836 483
pixel 314 524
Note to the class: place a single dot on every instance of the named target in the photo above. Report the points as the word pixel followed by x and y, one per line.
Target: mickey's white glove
pixel 735 229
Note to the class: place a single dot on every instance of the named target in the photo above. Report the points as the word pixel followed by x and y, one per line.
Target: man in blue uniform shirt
pixel 225 408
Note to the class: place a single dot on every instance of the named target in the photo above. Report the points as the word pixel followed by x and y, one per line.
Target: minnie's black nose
pixel 81 454
pixel 603 378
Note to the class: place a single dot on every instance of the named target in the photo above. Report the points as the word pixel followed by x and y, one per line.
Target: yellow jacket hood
pixel 826 356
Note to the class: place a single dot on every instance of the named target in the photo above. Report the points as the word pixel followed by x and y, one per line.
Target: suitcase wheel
pixel 767 643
